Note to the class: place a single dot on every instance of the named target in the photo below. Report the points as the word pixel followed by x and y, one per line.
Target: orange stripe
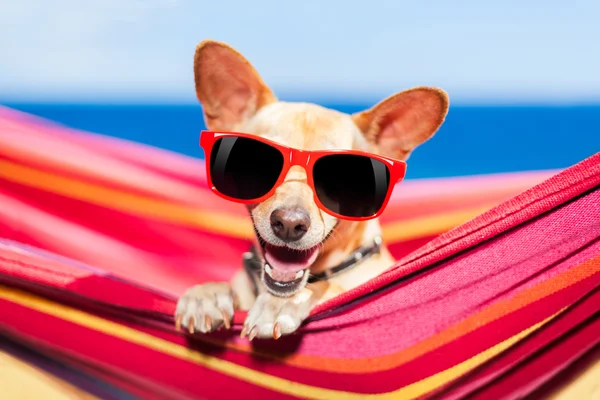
pixel 211 221
pixel 208 220
pixel 494 312
pixel 400 231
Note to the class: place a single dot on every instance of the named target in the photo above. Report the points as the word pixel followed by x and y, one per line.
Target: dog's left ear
pixel 403 121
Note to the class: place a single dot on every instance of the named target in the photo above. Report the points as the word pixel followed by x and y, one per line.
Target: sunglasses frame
pixel 305 159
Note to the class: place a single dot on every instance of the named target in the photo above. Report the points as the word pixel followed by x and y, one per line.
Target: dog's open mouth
pixel 286 270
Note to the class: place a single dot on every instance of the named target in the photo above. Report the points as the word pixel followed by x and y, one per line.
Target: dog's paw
pixel 272 316
pixel 205 308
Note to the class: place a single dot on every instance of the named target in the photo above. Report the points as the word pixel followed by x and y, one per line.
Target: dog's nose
pixel 290 224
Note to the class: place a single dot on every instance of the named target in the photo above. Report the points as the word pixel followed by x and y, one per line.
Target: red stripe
pixel 569 375
pixel 403 248
pixel 541 369
pixel 147 234
pixel 554 332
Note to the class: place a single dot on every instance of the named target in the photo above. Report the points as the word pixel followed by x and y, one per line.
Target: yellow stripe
pixel 246 374
pixel 127 202
pixel 429 225
pixel 211 221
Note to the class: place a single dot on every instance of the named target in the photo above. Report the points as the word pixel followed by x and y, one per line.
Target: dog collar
pixel 252 264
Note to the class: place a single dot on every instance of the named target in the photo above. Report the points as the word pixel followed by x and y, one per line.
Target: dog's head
pixel 290 228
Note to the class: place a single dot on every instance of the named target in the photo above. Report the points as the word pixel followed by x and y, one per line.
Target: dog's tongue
pixel 287 261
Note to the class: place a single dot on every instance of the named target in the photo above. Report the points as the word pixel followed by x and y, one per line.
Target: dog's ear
pixel 403 121
pixel 227 85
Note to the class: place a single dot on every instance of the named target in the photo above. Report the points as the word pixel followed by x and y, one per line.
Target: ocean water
pixel 473 140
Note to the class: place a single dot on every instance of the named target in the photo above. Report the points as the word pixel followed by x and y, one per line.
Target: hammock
pixel 495 295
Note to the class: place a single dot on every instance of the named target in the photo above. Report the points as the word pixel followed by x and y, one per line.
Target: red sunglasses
pixel 347 184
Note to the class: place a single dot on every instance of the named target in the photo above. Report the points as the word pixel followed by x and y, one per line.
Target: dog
pixel 297 240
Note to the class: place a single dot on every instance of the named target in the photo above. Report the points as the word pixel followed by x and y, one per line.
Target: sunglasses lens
pixel 244 168
pixel 351 185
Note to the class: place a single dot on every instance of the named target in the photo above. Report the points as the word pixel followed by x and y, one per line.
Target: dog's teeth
pixel 299 274
pixel 268 270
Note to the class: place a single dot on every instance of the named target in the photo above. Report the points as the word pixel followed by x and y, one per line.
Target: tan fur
pixel 235 98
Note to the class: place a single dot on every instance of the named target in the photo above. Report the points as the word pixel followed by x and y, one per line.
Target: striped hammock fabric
pixel 496 293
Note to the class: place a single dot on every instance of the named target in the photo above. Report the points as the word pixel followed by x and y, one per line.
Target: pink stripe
pixel 169 272
pixel 168 162
pixel 29 144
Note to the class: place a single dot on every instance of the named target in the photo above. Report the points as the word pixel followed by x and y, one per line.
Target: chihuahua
pixel 314 181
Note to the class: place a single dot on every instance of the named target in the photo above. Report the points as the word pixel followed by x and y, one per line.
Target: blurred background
pixel 523 77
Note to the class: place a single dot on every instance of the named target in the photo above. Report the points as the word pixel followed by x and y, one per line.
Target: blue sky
pixel 141 50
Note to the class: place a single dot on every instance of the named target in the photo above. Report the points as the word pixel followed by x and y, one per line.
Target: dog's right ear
pixel 227 85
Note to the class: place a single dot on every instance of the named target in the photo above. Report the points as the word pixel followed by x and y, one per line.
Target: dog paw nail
pixel 244 331
pixel 253 333
pixel 178 322
pixel 191 328
pixel 208 323
pixel 276 331
pixel 225 319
